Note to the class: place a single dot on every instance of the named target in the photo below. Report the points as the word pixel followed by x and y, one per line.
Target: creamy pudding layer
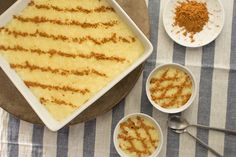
pixel 67 51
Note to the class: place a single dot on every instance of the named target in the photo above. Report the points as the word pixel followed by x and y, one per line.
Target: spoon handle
pixel 216 129
pixel 205 145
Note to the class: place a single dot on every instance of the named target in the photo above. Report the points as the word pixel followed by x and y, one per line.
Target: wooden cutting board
pixel 13 102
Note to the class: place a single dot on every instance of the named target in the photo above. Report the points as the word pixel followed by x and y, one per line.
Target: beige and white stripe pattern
pixel 219 91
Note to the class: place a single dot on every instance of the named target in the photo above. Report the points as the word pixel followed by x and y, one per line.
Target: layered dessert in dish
pixel 67 51
pixel 138 136
pixel 170 87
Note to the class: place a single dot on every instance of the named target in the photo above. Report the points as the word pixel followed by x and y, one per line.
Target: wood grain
pixel 12 101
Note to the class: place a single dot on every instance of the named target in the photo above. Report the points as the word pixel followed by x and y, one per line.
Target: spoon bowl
pixel 179 131
pixel 177 123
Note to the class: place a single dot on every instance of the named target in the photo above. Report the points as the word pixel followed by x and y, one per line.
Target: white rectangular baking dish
pixel 42 112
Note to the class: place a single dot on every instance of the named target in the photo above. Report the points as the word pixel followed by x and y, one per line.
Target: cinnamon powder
pixel 192 16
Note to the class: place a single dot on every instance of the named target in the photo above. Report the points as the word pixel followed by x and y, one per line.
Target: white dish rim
pixel 174 110
pixel 115 141
pixel 40 110
pixel 189 45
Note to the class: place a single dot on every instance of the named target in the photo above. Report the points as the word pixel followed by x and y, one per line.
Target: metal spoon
pixel 177 122
pixel 198 140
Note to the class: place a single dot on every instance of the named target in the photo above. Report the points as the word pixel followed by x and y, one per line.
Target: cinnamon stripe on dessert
pixel 101 9
pixel 67 22
pixel 113 38
pixel 52 87
pixel 154 97
pixel 63 72
pixel 53 52
pixel 171 86
pixel 155 80
pixel 56 101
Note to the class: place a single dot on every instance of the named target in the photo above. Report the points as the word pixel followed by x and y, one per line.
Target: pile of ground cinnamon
pixel 192 16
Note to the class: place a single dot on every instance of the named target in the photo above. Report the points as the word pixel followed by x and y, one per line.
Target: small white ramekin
pixel 115 140
pixel 173 110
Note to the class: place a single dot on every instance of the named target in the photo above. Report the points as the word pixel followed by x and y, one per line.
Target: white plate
pixel 44 115
pixel 210 31
pixel 115 140
pixel 173 110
